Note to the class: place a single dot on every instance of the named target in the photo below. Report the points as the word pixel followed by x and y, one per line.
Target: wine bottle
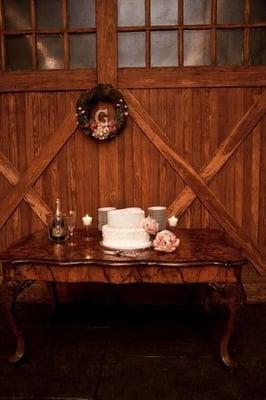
pixel 58 229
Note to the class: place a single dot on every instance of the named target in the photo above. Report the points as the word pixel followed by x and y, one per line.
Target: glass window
pixel 49 14
pixel 19 52
pixel 130 12
pixel 131 49
pixel 150 33
pixel 17 14
pixel 258 46
pixel 229 46
pixel 82 50
pixel 258 11
pixel 164 12
pixel 81 13
pixel 230 12
pixel 197 49
pixel 197 12
pixel 50 52
pixel 164 49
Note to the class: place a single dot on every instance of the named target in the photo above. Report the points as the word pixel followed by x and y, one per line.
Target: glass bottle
pixel 58 228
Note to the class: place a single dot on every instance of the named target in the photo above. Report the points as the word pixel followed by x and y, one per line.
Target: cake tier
pixel 126 218
pixel 135 238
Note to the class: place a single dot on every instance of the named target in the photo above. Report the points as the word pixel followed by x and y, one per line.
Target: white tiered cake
pixel 124 230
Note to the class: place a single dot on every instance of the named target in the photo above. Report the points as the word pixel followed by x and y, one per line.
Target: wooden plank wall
pixel 196 121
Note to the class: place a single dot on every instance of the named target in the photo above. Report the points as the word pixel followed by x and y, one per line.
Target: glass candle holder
pixel 87 220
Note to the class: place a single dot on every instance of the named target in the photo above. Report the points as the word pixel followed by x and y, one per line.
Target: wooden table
pixel 207 257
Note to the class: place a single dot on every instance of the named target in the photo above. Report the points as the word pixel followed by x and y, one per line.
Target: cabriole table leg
pixel 9 290
pixel 236 299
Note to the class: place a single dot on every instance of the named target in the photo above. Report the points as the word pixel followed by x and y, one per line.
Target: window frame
pixel 65 31
pixel 146 77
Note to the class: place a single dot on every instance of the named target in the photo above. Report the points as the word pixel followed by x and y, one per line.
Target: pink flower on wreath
pixel 150 225
pixel 166 241
pixel 112 126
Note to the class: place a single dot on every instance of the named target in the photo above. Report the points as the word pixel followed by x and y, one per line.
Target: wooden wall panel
pixel 195 120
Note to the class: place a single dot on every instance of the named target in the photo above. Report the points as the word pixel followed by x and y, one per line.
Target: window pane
pixel 82 50
pixel 17 14
pixel 258 11
pixel 258 46
pixel 131 49
pixel 230 12
pixel 18 52
pixel 49 14
pixel 197 48
pixel 197 12
pixel 130 12
pixel 50 52
pixel 229 46
pixel 86 18
pixel 164 12
pixel 164 49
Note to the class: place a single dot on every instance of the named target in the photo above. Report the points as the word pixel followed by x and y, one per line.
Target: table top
pixel 197 247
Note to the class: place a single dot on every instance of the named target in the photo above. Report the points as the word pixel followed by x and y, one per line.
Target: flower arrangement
pixel 102 130
pixel 150 225
pixel 166 241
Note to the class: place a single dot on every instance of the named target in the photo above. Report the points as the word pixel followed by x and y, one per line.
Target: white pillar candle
pixel 172 221
pixel 87 220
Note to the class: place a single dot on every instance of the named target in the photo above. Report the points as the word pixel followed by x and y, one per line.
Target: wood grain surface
pixel 202 256
pixel 191 178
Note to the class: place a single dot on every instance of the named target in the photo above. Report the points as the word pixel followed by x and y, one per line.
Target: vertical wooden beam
pixel 65 26
pixel 109 174
pixel 246 32
pixel 180 33
pixel 2 38
pixel 213 31
pixel 34 36
pixel 106 41
pixel 148 32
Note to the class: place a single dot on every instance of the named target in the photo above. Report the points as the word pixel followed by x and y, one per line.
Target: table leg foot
pixel 9 290
pixel 236 299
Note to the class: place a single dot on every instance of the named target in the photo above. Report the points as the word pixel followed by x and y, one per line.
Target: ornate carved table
pixel 207 257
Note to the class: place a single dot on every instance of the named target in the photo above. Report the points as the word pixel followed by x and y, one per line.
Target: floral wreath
pixel 97 129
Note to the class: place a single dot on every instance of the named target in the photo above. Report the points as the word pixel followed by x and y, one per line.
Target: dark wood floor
pixel 134 352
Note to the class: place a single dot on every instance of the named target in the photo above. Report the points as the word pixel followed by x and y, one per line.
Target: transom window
pixel 48 34
pixel 61 34
pixel 156 33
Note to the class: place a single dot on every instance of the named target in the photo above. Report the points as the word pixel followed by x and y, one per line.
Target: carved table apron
pixel 207 257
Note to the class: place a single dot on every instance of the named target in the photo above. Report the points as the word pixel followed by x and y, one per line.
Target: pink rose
pixel 166 241
pixel 150 225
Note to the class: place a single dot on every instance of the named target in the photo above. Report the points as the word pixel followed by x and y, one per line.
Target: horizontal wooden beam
pixel 238 134
pixel 47 80
pixel 191 178
pixel 33 198
pixel 32 173
pixel 135 78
